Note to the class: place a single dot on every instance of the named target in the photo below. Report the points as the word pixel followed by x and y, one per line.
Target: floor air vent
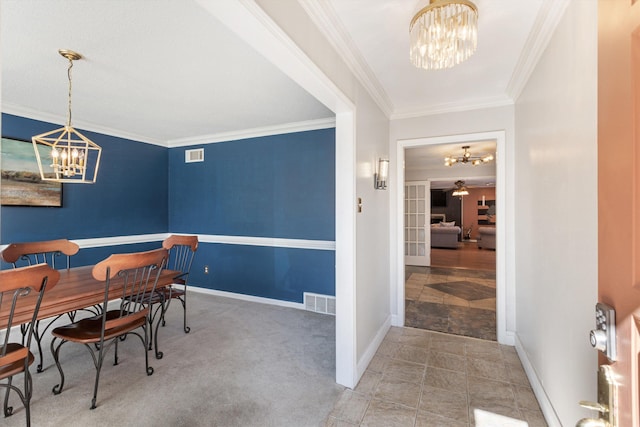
pixel 325 304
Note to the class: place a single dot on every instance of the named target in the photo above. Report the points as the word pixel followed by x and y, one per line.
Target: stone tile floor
pixel 451 300
pixel 421 378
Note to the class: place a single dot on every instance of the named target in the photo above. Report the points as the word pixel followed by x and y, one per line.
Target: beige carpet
pixel 243 364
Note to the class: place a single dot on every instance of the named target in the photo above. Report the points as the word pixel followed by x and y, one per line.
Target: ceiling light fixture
pixel 467 157
pixel 443 34
pixel 460 190
pixel 72 158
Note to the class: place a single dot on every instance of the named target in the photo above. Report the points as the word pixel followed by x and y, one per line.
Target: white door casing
pixel 503 289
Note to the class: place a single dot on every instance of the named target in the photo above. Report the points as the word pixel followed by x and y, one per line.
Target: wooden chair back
pixel 18 284
pixel 32 253
pixel 139 272
pixel 181 252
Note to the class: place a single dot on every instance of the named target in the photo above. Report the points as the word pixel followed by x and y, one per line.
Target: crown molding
pixel 326 19
pixel 308 125
pixel 325 123
pixel 454 107
pixel 545 25
pixel 29 113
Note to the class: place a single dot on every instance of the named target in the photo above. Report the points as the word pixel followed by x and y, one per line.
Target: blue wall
pixel 277 273
pixel 279 186
pixel 276 186
pixel 128 198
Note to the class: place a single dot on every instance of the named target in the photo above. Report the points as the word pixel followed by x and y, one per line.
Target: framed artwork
pixel 20 183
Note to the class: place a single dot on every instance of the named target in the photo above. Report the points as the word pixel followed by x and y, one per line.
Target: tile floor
pixel 422 378
pixel 451 300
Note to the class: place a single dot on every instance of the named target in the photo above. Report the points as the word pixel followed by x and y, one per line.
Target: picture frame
pixel 20 182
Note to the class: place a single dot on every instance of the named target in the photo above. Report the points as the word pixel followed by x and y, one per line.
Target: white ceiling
pixel 156 71
pixel 168 72
pixel 374 37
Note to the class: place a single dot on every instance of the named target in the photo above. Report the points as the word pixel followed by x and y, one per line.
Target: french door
pixel 417 218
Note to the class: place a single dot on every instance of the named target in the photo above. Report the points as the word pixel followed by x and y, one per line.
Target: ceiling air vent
pixel 195 155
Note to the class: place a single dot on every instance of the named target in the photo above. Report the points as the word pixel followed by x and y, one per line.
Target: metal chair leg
pixel 8 410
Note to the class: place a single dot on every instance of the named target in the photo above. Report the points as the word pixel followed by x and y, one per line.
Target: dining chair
pixel 21 285
pixel 181 252
pixel 134 277
pixel 32 253
pixel 180 256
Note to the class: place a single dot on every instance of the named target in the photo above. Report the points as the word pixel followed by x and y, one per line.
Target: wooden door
pixel 619 191
pixel 417 219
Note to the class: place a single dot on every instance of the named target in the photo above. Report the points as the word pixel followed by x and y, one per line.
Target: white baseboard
pixel 545 403
pixel 364 361
pixel 508 338
pixel 249 298
pixel 397 320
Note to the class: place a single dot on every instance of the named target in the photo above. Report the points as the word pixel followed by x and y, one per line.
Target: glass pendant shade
pixel 443 34
pixel 382 175
pixel 460 192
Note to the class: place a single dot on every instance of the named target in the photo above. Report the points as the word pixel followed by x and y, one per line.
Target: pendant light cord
pixel 69 77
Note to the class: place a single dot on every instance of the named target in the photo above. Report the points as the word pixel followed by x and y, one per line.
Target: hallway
pixel 424 379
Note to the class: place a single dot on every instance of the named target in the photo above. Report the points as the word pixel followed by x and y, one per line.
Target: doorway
pixel 450 287
pixel 500 273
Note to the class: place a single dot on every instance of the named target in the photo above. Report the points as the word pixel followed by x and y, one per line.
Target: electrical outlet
pixel 206 269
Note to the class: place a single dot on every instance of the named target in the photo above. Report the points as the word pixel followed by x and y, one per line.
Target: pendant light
pixel 66 155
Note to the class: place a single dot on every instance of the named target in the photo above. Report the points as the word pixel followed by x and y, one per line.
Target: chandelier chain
pixel 69 77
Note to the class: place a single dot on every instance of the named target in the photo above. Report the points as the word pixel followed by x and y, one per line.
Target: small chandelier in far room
pixel 443 34
pixel 460 190
pixel 65 155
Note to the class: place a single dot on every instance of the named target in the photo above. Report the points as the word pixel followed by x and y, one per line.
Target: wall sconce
pixel 380 178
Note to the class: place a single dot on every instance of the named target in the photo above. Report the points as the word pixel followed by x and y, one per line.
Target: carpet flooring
pixel 243 364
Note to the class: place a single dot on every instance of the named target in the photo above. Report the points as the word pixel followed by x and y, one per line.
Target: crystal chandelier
pixel 65 155
pixel 443 34
pixel 467 157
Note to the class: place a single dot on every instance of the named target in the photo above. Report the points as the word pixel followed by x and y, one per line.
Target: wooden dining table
pixel 76 289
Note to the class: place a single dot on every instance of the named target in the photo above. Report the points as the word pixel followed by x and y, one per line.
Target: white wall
pixel 372 225
pixel 466 122
pixel 370 308
pixel 556 214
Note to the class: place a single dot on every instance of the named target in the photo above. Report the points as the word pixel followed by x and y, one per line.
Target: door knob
pixel 595 406
pixel 606 404
pixel 593 422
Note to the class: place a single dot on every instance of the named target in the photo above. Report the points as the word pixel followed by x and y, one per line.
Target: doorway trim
pixel 502 287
